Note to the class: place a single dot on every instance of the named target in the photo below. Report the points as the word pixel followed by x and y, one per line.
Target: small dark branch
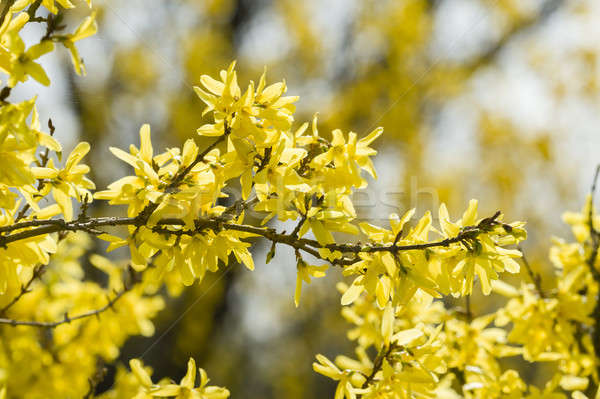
pixel 66 318
pixel 96 379
pixel 4 93
pixel 536 278
pixel 51 127
pixel 53 24
pixel 378 364
pixel 314 150
pixel 33 9
pixel 26 288
pixel 84 208
pixel 145 214
pixel 60 225
pixel 468 311
pixel 547 9
pixel 298 226
pixel 398 236
pixel 199 158
pixel 22 213
pixel 264 160
pixel 237 208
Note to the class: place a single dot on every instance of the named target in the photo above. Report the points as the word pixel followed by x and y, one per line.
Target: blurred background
pixel 490 99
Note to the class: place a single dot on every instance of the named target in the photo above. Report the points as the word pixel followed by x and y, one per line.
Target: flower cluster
pixel 402 283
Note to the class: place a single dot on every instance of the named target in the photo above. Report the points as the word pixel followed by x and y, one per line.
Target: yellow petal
pixel 77 154
pixel 138 370
pixel 387 323
pixel 190 377
pixel 146 144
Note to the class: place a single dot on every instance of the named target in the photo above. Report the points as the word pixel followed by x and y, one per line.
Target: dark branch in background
pixel 127 286
pixel 547 9
pixel 199 158
pixel 468 311
pixel 536 278
pixel 53 24
pixel 66 318
pixel 96 379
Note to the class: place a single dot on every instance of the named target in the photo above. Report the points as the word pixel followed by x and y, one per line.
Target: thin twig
pixel 68 319
pixel 215 223
pixel 25 288
pixel 199 158
pixel 96 379
pixel 378 364
pixel 536 279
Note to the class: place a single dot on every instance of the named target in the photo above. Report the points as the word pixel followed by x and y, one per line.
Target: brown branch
pixel 57 225
pixel 378 364
pixel 546 11
pixel 92 225
pixel 145 214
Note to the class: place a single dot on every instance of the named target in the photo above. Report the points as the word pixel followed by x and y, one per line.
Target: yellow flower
pixel 348 381
pixel 185 389
pixel 69 182
pixel 18 62
pixel 303 273
pixel 86 29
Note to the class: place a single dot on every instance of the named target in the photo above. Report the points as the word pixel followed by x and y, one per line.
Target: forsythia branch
pixel 307 245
